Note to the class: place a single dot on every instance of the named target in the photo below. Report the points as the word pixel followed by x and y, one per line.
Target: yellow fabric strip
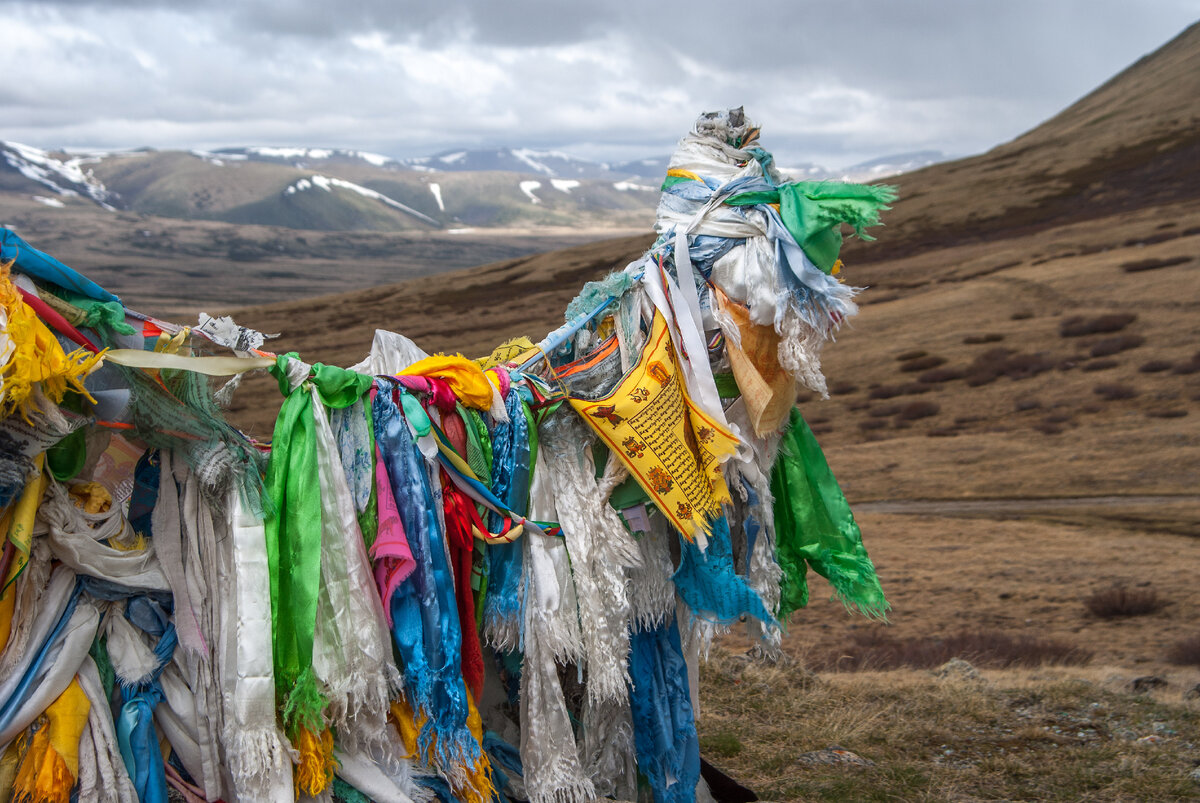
pixel 466 378
pixel 210 366
pixel 68 717
pixel 20 532
pixel 678 172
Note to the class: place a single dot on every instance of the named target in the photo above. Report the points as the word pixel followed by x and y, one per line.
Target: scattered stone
pixel 1146 683
pixel 957 669
pixel 833 755
pixel 1193 693
pixel 1152 738
pixel 1195 775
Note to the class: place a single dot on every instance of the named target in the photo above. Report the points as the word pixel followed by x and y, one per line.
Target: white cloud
pixel 830 82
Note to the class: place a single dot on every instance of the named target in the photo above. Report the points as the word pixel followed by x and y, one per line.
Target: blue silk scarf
pixel 664 725
pixel 425 624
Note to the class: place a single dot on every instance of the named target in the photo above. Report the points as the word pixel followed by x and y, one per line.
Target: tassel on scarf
pixel 36 357
pixel 316 765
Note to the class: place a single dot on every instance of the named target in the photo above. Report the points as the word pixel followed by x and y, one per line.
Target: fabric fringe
pixel 854 582
pixel 316 764
pixel 600 550
pixel 305 704
pixel 256 756
pixel 799 351
pixel 43 776
pixel 608 749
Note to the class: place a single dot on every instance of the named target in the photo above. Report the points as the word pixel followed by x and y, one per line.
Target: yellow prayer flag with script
pixel 672 448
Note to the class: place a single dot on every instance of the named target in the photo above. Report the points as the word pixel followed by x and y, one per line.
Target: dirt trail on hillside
pixel 950 507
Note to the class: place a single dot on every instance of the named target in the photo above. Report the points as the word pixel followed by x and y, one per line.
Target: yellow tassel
pixel 43 776
pixel 314 772
pixel 37 357
pixel 479 788
pixel 836 269
pixel 407 725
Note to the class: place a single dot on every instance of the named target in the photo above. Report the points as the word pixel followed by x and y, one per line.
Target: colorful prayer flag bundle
pixel 478 580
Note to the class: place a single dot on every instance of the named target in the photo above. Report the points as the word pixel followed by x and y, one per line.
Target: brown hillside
pixel 1132 142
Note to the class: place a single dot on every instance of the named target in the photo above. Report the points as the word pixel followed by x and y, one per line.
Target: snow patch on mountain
pixel 564 184
pixel 328 184
pixel 53 202
pixel 436 189
pixel 528 187
pixel 629 186
pixel 66 177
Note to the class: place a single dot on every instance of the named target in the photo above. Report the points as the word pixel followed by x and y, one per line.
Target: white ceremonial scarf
pixel 600 549
pixel 260 758
pixel 76 538
pixel 102 771
pixel 549 755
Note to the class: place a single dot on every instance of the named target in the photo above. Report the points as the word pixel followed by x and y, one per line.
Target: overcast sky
pixel 829 82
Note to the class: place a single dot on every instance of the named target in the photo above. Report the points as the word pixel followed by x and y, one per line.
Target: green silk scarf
pixel 812 212
pixel 293 534
pixel 814 527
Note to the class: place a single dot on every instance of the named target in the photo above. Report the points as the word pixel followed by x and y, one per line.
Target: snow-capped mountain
pixel 63 175
pixel 894 165
pixel 299 157
pixel 552 164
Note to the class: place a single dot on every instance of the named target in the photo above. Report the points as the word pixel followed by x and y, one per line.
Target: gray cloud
pixel 829 81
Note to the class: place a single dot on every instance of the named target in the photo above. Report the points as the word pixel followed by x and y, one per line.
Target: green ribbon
pixel 814 527
pixel 813 211
pixel 293 534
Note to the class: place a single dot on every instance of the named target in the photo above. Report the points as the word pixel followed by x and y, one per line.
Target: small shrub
pixel 1155 366
pixel 922 363
pixel 1024 366
pixel 722 743
pixel 1114 391
pixel 875 650
pixel 1115 345
pixel 872 423
pixel 892 391
pixel 1120 601
pixel 1192 366
pixel 942 432
pixel 1170 412
pixel 918 409
pixel 915 354
pixel 941 375
pixel 886 410
pixel 1026 404
pixel 1185 652
pixel 1058 418
pixel 884 392
pixel 974 340
pixel 977 378
pixel 1022 315
pixel 1078 326
pixel 1152 264
pixel 1048 429
pixel 1100 365
pixel 842 388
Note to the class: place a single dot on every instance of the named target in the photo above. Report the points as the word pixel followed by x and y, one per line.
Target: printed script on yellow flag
pixel 672 449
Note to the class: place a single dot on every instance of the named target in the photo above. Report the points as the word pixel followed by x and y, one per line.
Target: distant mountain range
pixel 330 189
